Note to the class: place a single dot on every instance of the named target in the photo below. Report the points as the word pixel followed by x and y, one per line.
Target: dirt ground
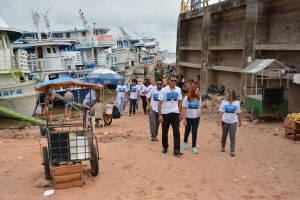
pixel 266 166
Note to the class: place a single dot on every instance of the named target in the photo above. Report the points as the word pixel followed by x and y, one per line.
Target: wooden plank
pixel 69 184
pixel 64 170
pixel 67 178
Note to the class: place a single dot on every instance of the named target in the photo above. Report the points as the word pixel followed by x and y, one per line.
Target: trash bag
pixel 116 113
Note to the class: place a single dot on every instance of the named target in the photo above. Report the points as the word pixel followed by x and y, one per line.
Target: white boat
pixel 16 91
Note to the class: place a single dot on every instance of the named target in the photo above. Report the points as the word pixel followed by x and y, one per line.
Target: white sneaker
pixel 194 150
pixel 185 145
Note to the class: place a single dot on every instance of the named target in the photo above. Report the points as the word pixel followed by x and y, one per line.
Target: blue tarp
pixel 105 79
pixel 57 80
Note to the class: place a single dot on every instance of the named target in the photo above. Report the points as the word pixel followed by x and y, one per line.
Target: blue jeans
pixel 154 123
pixel 191 124
pixel 121 104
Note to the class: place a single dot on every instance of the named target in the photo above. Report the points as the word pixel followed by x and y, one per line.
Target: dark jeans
pixel 132 106
pixel 231 128
pixel 144 103
pixel 191 124
pixel 173 120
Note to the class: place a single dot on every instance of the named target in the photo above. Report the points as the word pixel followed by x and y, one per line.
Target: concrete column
pixel 205 74
pixel 249 40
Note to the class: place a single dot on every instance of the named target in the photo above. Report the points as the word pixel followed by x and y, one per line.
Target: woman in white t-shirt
pixel 229 118
pixel 191 108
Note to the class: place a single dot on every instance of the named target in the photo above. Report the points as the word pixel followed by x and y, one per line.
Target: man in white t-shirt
pixel 134 92
pixel 170 113
pixel 153 109
pixel 121 97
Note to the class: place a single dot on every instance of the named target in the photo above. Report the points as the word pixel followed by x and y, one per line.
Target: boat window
pixel 83 34
pixel 48 50
pixel 68 35
pixel 54 50
pixel 53 76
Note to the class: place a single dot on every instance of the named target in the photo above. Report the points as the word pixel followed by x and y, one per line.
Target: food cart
pixel 266 94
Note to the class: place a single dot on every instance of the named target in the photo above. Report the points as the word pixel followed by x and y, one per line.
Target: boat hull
pixel 20 97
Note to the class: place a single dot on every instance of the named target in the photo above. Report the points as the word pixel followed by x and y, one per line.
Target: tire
pixel 94 161
pixel 253 113
pixel 46 163
pixel 107 121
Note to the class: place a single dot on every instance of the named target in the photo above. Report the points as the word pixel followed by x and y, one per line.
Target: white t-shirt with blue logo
pixel 170 99
pixel 150 87
pixel 230 111
pixel 121 89
pixel 154 94
pixel 143 90
pixel 191 107
pixel 133 91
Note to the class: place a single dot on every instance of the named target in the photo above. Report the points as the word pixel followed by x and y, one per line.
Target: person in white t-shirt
pixel 121 97
pixel 153 109
pixel 170 113
pixel 134 92
pixel 191 108
pixel 229 118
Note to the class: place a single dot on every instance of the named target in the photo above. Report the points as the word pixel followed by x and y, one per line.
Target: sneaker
pixel 154 139
pixel 185 145
pixel 232 154
pixel 194 150
pixel 222 149
pixel 165 150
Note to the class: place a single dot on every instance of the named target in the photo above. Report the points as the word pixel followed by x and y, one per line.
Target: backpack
pixel 116 113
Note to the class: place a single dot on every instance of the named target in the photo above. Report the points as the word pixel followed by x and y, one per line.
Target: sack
pixel 116 113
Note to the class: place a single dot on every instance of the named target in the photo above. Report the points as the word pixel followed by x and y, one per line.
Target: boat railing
pixel 21 59
pixel 50 63
pixel 73 54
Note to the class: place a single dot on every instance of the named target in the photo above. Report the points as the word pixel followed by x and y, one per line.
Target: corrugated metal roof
pixel 262 64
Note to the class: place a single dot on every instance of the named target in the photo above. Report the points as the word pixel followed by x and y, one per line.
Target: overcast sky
pixel 157 18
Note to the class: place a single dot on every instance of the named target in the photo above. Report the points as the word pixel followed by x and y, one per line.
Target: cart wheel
pixel 253 113
pixel 46 163
pixel 107 121
pixel 94 161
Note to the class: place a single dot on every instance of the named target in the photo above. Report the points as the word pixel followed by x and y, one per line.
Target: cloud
pixel 157 18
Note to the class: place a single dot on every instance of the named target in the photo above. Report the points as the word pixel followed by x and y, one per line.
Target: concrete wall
pixel 220 38
pixel 294 98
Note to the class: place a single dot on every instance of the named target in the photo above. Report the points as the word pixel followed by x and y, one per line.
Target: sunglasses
pixel 174 81
pixel 158 83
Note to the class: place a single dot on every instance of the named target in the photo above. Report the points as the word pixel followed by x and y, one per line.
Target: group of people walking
pixel 167 106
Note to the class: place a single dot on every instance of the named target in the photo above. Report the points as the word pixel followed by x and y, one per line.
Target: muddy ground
pixel 266 166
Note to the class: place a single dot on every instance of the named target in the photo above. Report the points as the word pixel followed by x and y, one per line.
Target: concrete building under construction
pixel 219 40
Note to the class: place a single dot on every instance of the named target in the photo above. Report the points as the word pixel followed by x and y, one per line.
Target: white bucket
pixel 109 109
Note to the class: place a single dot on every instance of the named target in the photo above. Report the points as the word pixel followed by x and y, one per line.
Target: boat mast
pixel 36 21
pixel 47 22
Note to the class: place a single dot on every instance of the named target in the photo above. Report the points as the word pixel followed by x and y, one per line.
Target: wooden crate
pixel 292 127
pixel 292 124
pixel 67 176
